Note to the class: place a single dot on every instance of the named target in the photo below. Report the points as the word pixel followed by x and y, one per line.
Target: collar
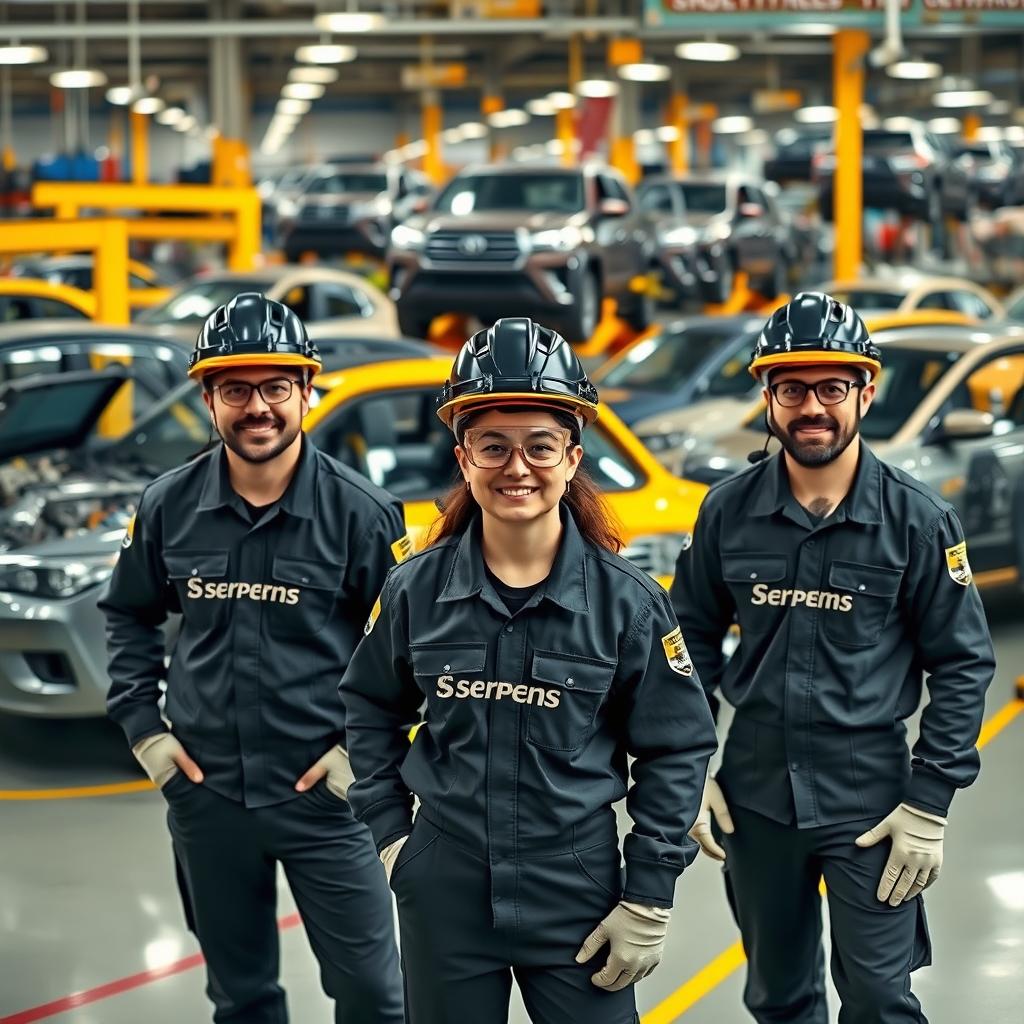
pixel 565 586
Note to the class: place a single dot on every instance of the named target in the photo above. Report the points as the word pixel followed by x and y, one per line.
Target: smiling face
pixel 518 492
pixel 257 430
pixel 812 432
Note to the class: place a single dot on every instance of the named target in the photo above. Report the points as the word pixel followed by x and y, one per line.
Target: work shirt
pixel 839 619
pixel 270 613
pixel 529 717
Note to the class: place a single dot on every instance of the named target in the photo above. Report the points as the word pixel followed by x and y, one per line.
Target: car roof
pixel 29 332
pixel 948 337
pixel 522 169
pixel 897 281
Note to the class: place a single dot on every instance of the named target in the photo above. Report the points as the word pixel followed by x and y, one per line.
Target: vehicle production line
pixel 94 933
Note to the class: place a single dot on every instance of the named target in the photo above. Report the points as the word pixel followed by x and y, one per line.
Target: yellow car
pixel 25 298
pixel 380 420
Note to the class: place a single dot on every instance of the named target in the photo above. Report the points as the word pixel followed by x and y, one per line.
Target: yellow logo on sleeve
pixel 676 654
pixel 402 548
pixel 374 615
pixel 957 566
pixel 129 533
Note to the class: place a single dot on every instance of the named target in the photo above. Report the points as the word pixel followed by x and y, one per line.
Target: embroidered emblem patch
pixel 676 654
pixel 129 533
pixel 957 566
pixel 402 548
pixel 374 614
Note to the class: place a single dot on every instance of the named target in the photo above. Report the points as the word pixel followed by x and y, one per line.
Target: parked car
pixel 349 208
pixel 995 176
pixel 795 149
pixel 709 227
pixel 280 189
pixel 378 418
pixel 905 291
pixel 24 298
pixel 544 242
pixel 326 300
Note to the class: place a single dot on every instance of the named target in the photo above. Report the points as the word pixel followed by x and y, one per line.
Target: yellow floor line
pixel 78 792
pixel 714 973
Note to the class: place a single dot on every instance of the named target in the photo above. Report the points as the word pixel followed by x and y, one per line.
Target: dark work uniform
pixel 513 858
pixel 839 618
pixel 272 603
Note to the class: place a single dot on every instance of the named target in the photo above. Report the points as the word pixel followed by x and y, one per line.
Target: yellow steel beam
pixel 192 229
pixel 972 123
pixel 140 147
pixel 679 149
pixel 849 49
pixel 107 239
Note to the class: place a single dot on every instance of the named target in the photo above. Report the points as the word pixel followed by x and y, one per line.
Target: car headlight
pixel 556 239
pixel 656 553
pixel 54 577
pixel 681 236
pixel 662 442
pixel 287 208
pixel 405 237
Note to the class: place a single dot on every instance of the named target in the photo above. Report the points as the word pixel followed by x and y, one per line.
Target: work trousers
pixel 772 874
pixel 227 858
pixel 458 967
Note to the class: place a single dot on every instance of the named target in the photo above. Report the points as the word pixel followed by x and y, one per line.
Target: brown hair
pixel 594 518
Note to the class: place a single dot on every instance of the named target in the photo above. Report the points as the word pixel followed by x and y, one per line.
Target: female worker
pixel 543 659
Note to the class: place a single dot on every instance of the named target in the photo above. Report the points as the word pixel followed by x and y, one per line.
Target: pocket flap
pixel 572 673
pixel 753 568
pixel 204 565
pixel 873 580
pixel 300 572
pixel 454 659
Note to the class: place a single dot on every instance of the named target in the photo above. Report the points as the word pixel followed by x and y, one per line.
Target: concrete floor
pixel 87 896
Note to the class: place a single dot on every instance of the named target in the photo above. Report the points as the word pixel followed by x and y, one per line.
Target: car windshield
pixel 869 298
pixel 908 375
pixel 703 198
pixel 347 181
pixel 475 193
pixel 732 379
pixel 886 142
pixel 196 302
pixel 1015 311
pixel 175 430
pixel 664 362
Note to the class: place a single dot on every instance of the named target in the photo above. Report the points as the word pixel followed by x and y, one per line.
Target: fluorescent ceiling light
pixel 644 137
pixel 556 147
pixel 707 51
pixel 561 100
pixel 914 69
pixel 23 55
pixel 899 124
pixel 809 28
pixel 148 105
pixel 77 78
pixel 508 118
pixel 348 21
pixel 596 88
pixel 816 115
pixel 990 133
pixel 1014 134
pixel 170 116
pixel 312 73
pixel 644 72
pixel 473 130
pixel 541 108
pixel 758 137
pixel 735 125
pixel 325 53
pixel 186 124
pixel 963 98
pixel 293 107
pixel 120 95
pixel 302 91
pixel 452 135
pixel 668 133
pixel 944 125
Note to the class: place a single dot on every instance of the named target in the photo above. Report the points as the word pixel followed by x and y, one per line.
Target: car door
pixel 332 300
pixel 752 235
pixel 613 235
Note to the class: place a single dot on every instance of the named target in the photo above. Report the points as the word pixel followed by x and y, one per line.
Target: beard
pixel 817 451
pixel 258 449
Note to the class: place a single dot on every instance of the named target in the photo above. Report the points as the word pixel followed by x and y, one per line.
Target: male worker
pixel 849 580
pixel 273 554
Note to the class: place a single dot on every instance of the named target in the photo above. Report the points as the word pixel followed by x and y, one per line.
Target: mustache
pixel 257 421
pixel 812 421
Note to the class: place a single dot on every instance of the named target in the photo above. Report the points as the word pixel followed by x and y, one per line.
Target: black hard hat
pixel 812 329
pixel 252 330
pixel 516 362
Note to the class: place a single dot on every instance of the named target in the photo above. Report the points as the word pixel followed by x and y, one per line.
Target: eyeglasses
pixel 239 392
pixel 492 447
pixel 791 393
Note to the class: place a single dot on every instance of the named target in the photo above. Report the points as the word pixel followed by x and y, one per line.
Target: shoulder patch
pixel 374 615
pixel 402 548
pixel 129 533
pixel 676 654
pixel 957 566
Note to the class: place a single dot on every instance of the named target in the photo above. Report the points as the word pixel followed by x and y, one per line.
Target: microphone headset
pixel 756 457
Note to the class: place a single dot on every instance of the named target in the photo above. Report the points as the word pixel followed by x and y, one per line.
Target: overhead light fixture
pixel 990 133
pixel 148 105
pixel 473 130
pixel 293 107
pixel 78 78
pixel 171 116
pixel 23 55
pixel 644 72
pixel 899 124
pixel 999 107
pixel 734 125
pixel 1014 134
pixel 186 124
pixel 707 51
pixel 668 133
pixel 758 137
pixel 326 53
pixel 809 28
pixel 508 118
pixel 915 70
pixel 945 125
pixel 561 100
pixel 597 88
pixel 554 147
pixel 541 108
pixel 452 135
pixel 302 91
pixel 963 98
pixel 816 115
pixel 348 21
pixel 644 137
pixel 320 75
pixel 120 95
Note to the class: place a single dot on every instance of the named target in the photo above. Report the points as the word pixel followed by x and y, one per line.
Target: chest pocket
pixel 751 578
pixel 563 699
pixel 446 674
pixel 302 597
pixel 871 590
pixel 198 579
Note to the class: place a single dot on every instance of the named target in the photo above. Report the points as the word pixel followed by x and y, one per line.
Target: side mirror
pixel 750 210
pixel 963 424
pixel 613 208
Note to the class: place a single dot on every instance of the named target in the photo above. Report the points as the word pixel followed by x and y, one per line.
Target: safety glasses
pixel 492 447
pixel 792 393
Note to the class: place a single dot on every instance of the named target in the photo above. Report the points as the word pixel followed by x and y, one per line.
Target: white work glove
pixel 334 764
pixel 637 938
pixel 389 855
pixel 712 802
pixel 162 756
pixel 916 854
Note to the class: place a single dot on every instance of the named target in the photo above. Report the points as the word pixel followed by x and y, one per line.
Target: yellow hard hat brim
pixel 446 412
pixel 813 358
pixel 212 365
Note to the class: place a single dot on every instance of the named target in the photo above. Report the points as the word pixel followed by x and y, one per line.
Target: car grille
pixel 332 214
pixel 472 246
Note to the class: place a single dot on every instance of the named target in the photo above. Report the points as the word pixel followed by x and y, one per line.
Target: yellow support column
pixel 849 48
pixel 679 149
pixel 972 122
pixel 565 120
pixel 8 158
pixel 110 274
pixel 244 247
pixel 491 104
pixel 433 161
pixel 140 148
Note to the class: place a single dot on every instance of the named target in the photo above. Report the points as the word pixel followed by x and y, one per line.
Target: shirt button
pixel 447 668
pixel 195 572
pixel 753 575
pixel 509 628
pixel 570 681
pixel 860 586
pixel 305 579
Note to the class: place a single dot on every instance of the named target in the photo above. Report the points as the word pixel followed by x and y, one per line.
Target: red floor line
pixel 113 988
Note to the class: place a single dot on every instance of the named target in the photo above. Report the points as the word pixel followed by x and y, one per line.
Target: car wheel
pixel 582 319
pixel 412 324
pixel 720 288
pixel 778 280
pixel 639 307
